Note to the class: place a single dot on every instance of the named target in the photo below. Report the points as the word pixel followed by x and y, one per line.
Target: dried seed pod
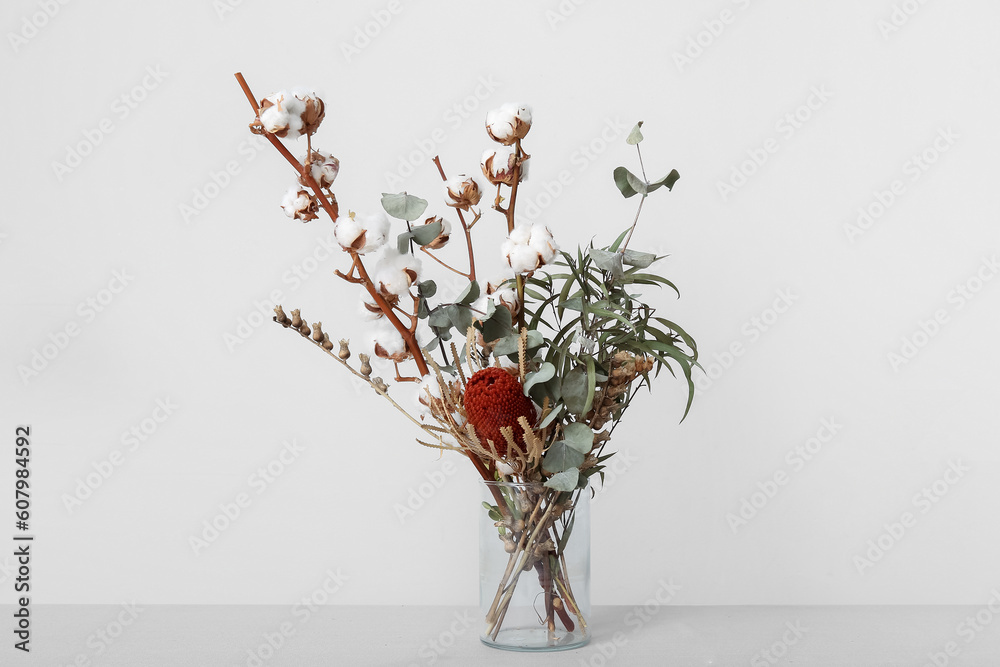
pixel 345 351
pixel 296 319
pixel 317 332
pixel 380 385
pixel 366 368
pixel 280 317
pixel 509 546
pixel 327 343
pixel 304 329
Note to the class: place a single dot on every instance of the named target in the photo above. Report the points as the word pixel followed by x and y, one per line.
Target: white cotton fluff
pixel 295 201
pixel 386 336
pixel 501 160
pixel 367 313
pixel 285 112
pixel 395 273
pixel 509 122
pixel 374 227
pixel 324 168
pixel 501 124
pixel 529 246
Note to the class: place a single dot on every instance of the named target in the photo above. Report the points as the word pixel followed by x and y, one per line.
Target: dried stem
pixel 471 275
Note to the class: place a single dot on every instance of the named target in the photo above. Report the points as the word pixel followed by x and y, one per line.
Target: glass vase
pixel 534 567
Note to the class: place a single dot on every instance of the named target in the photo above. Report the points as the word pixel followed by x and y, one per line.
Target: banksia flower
pixel 493 399
pixel 508 123
pixel 462 192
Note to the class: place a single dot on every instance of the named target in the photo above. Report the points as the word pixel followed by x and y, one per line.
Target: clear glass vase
pixel 534 567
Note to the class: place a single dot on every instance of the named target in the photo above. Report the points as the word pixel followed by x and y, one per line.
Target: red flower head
pixel 493 399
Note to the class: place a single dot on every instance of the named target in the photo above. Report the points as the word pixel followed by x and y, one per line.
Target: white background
pixel 195 274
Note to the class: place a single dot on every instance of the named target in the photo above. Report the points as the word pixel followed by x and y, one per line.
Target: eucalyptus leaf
pixel 667 181
pixel 635 136
pixel 460 316
pixel 608 261
pixel 552 416
pixel 403 206
pixel 621 175
pixel 639 259
pixel 565 480
pixel 469 294
pixel 561 456
pixel 424 234
pixel 498 325
pixel 579 436
pixel 403 242
pixel 574 390
pixel 636 183
pixel 427 288
pixel 545 373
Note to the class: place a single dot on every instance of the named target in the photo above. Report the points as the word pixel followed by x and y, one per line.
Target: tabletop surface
pixel 254 636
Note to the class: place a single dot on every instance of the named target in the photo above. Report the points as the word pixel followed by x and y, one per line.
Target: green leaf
pixel 574 390
pixel 638 259
pixel 509 344
pixel 424 234
pixel 636 183
pixel 566 533
pixel 561 456
pixel 469 294
pixel 565 480
pixel 460 317
pixel 621 175
pixel 403 206
pixel 427 288
pixel 667 181
pixel 635 136
pixel 551 417
pixel 498 325
pixel 579 436
pixel 440 317
pixel 403 242
pixel 576 303
pixel 608 261
pixel 545 373
pixel 591 384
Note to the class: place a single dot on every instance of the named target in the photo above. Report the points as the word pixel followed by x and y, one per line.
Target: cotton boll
pixel 389 344
pixel 522 258
pixel 362 233
pixel 394 273
pixel 498 165
pixel 508 123
pixel 462 192
pixel 323 167
pixel 543 243
pixel 376 232
pixel 299 204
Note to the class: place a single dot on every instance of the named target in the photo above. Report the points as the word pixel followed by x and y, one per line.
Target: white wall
pixel 854 299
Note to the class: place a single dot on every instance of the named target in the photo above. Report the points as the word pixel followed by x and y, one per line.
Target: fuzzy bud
pixel 280 317
pixel 366 368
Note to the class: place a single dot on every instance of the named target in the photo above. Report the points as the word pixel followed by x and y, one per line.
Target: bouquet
pixel 526 376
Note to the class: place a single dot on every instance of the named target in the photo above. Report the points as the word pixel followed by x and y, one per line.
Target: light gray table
pixel 213 636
